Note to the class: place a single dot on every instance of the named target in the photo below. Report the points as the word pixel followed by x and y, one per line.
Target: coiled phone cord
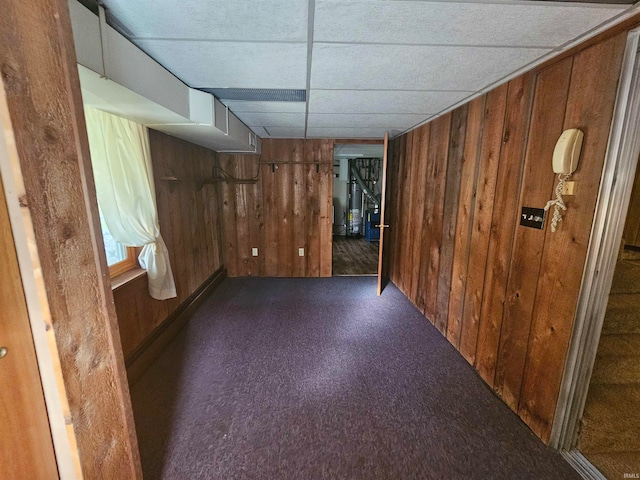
pixel 557 203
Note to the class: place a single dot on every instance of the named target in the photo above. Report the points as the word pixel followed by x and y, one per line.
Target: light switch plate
pixel 254 252
pixel 301 252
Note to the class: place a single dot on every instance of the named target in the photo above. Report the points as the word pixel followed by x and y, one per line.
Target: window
pixel 120 258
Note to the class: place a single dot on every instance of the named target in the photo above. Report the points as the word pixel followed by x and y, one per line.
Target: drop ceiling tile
pixel 377 101
pixel 456 23
pixel 232 64
pixel 273 20
pixel 286 132
pixel 360 120
pixel 266 107
pixel 272 119
pixel 396 67
pixel 334 132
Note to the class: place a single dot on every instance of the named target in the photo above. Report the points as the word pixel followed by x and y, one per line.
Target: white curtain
pixel 126 193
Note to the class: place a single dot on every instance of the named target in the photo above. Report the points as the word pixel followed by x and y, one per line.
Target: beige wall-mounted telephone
pixel 567 151
pixel 565 161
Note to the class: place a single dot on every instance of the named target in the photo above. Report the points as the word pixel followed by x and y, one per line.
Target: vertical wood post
pixel 38 67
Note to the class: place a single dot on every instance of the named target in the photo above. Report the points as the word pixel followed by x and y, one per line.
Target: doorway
pixel 608 435
pixel 357 192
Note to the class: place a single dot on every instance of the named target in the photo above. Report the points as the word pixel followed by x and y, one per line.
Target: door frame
pixel 62 435
pixel 383 206
pixel 606 234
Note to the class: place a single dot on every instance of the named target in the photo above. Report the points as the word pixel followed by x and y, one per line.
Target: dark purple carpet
pixel 320 379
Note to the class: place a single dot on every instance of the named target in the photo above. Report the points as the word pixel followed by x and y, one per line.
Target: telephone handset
pixel 567 151
pixel 565 161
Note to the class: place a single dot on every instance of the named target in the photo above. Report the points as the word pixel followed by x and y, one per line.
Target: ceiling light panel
pixel 386 101
pixel 232 64
pixel 265 107
pixel 272 119
pixel 247 20
pixel 365 120
pixel 394 67
pixel 454 23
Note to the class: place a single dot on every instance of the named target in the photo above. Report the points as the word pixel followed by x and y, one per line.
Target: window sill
pixel 126 277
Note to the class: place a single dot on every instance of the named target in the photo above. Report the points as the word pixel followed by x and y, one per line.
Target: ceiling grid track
pixel 368 67
pixel 310 25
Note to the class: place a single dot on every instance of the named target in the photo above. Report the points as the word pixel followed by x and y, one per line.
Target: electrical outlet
pixel 254 252
pixel 301 252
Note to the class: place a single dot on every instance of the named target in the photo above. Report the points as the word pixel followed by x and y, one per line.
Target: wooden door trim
pixel 44 340
pixel 383 204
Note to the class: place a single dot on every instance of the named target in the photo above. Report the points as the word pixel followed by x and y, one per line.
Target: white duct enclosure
pixel 119 78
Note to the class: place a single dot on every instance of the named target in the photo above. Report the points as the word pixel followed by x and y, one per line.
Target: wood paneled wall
pixel 284 210
pixel 190 224
pixel 503 294
pixel 631 235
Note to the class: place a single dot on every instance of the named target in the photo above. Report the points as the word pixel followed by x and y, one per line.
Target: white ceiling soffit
pixel 368 66
pixel 118 77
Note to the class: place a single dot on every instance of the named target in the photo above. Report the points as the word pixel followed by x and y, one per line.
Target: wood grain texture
pixel 509 292
pixel 419 149
pixel 455 162
pixel 288 208
pixel 438 153
pixel 493 120
pixel 466 203
pixel 537 188
pixel 590 104
pixel 631 235
pixel 38 65
pixel 190 218
pixel 503 224
pixel 26 448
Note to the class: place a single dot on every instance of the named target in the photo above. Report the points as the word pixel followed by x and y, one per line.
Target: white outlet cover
pixel 254 252
pixel 301 252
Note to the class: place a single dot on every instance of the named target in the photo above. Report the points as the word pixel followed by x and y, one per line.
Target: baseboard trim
pixel 581 465
pixel 143 356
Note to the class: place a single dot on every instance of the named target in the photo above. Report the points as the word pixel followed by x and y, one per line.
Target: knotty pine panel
pixel 491 143
pixel 504 224
pixel 503 294
pixel 455 160
pixel 547 116
pixel 289 207
pixel 466 202
pixel 190 224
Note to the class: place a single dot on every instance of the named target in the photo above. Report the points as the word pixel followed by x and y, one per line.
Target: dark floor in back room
pixel 322 379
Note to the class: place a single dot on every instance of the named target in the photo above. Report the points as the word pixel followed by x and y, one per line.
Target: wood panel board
pixel 592 94
pixel 418 170
pixel 464 221
pixel 26 447
pixel 537 185
pixel 451 198
pixel 483 212
pixel 439 149
pixel 505 218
